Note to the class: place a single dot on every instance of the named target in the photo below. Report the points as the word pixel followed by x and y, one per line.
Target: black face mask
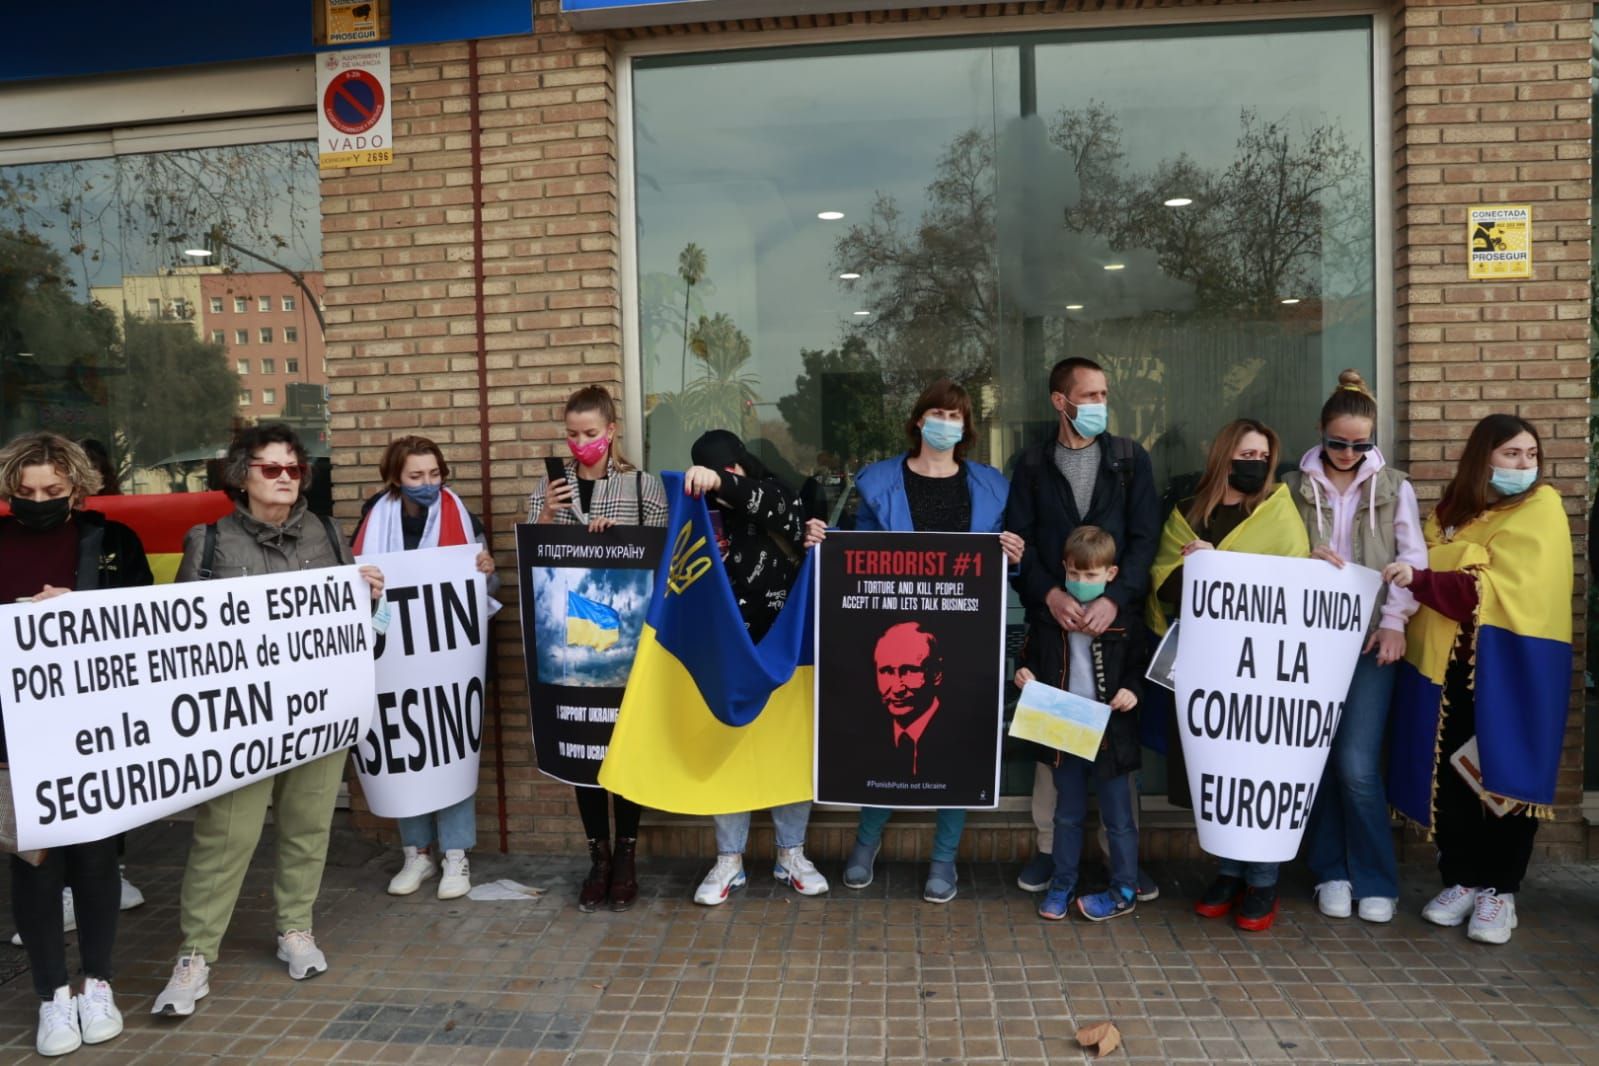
pixel 1248 476
pixel 42 516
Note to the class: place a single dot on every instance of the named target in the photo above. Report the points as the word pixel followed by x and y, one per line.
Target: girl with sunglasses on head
pixel 1357 509
pixel 269 532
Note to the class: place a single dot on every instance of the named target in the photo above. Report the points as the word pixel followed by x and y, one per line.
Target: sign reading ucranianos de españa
pixel 1499 241
pixel 354 127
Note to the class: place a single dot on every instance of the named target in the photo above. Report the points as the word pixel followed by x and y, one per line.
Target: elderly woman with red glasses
pixel 270 531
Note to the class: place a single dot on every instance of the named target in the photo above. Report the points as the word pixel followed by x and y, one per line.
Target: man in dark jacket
pixel 1081 476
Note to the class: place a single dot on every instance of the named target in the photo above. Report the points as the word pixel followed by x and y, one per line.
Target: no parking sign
pixel 354 128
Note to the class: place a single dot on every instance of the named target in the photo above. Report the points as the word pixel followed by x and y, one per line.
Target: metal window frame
pixel 1382 145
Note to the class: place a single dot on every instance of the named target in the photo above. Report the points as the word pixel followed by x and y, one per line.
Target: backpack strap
pixel 1121 460
pixel 208 554
pixel 638 494
pixel 333 535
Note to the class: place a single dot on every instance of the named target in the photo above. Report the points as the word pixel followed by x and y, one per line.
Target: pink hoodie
pixel 1336 529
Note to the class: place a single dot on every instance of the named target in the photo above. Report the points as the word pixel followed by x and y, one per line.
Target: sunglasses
pixel 273 471
pixel 1333 444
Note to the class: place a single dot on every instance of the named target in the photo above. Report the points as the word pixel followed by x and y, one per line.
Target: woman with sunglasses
pixel 270 531
pixel 1357 509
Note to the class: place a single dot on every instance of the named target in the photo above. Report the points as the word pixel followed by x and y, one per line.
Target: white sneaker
pixel 1450 906
pixel 69 917
pixel 190 981
pixel 419 866
pixel 131 897
pixel 58 1025
pixel 798 872
pixel 725 876
pixel 98 1017
pixel 457 879
pixel 1377 909
pixel 1493 917
pixel 298 948
pixel 1333 898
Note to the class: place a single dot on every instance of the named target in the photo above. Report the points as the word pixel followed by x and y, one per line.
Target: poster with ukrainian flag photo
pixel 584 599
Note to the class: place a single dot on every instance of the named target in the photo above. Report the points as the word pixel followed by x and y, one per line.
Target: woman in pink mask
pixel 600 490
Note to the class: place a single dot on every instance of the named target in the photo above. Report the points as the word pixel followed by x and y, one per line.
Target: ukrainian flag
pixel 591 624
pixel 713 723
pixel 1521 660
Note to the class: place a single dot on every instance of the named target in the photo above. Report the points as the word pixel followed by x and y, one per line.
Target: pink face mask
pixel 591 453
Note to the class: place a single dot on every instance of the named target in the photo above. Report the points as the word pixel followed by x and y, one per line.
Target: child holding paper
pixel 1107 668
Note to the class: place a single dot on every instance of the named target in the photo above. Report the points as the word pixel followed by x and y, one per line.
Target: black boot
pixel 597 884
pixel 624 878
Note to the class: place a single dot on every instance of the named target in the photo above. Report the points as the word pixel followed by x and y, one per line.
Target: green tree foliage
pixel 180 393
pixel 837 404
pixel 723 396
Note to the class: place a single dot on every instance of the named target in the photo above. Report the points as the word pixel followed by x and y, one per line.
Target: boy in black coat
pixel 1108 669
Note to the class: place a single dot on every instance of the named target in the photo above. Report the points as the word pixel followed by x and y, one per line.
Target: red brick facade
pixel 1489 103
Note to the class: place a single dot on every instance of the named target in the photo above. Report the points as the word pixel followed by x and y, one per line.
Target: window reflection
pixel 823 231
pixel 121 294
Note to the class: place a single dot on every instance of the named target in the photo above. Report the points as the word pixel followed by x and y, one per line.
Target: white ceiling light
pixel 1074 307
pixel 1178 201
pixel 1291 300
pixel 860 314
pixel 1115 266
pixel 848 275
pixel 829 216
pixel 198 253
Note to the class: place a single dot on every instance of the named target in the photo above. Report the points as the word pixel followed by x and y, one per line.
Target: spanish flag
pixel 161 520
pixel 713 723
pixel 1522 659
pixel 591 624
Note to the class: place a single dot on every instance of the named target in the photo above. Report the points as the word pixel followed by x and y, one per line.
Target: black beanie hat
pixel 719 449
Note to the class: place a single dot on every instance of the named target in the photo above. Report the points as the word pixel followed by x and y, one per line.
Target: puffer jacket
pixel 247 546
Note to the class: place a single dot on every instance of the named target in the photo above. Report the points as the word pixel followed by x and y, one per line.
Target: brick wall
pixel 1490 103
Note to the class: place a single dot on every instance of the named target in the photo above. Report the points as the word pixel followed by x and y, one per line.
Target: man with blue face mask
pixel 1080 476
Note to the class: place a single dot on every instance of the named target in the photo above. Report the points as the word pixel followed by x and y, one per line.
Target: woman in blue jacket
pixel 931 488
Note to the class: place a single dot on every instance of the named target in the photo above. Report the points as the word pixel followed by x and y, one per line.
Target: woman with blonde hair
pixel 599 490
pixel 50 546
pixel 1238 506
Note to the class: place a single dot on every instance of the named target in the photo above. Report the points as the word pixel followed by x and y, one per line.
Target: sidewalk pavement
pixel 873 976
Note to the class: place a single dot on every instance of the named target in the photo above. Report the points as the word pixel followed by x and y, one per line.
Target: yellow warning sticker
pixel 1499 241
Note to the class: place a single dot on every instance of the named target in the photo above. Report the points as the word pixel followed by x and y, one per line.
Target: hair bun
pixel 1351 379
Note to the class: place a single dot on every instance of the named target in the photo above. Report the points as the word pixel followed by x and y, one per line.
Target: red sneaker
pixel 1258 910
pixel 1220 898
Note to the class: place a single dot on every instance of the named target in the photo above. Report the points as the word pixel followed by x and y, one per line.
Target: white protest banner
pixel 1269 647
pixel 127 705
pixel 422 752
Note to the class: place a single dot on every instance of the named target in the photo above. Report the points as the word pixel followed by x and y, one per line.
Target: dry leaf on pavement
pixel 1103 1036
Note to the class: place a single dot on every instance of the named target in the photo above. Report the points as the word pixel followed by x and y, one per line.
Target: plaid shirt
pixel 621 495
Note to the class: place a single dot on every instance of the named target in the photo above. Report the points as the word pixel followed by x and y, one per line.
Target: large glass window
pixel 822 231
pixel 116 274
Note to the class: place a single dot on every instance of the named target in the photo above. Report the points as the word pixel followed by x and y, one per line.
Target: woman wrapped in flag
pixel 1480 704
pixel 416 510
pixel 600 489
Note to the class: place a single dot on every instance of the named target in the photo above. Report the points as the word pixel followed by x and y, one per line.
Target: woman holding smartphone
pixel 597 487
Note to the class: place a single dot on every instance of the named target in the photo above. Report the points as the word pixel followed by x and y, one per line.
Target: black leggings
pixel 90 870
pixel 596 819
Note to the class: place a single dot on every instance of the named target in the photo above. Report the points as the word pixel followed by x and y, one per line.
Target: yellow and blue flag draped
pixel 1521 672
pixel 591 624
pixel 713 723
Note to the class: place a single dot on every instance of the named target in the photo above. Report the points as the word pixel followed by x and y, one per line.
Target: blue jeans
pixel 946 829
pixel 455 825
pixel 1072 776
pixel 788 825
pixel 1349 838
pixel 1255 874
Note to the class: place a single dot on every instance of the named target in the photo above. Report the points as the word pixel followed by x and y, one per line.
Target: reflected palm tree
pixel 691 267
pixel 724 396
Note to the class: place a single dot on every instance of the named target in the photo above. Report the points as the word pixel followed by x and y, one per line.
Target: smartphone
pixel 554 469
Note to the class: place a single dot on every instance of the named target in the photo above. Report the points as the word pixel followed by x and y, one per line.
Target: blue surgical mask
pixel 941 435
pixel 1091 419
pixel 1509 482
pixel 422 495
pixel 1084 591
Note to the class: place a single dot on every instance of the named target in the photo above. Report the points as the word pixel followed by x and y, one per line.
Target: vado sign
pixel 354 127
pixel 127 705
pixel 1268 648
